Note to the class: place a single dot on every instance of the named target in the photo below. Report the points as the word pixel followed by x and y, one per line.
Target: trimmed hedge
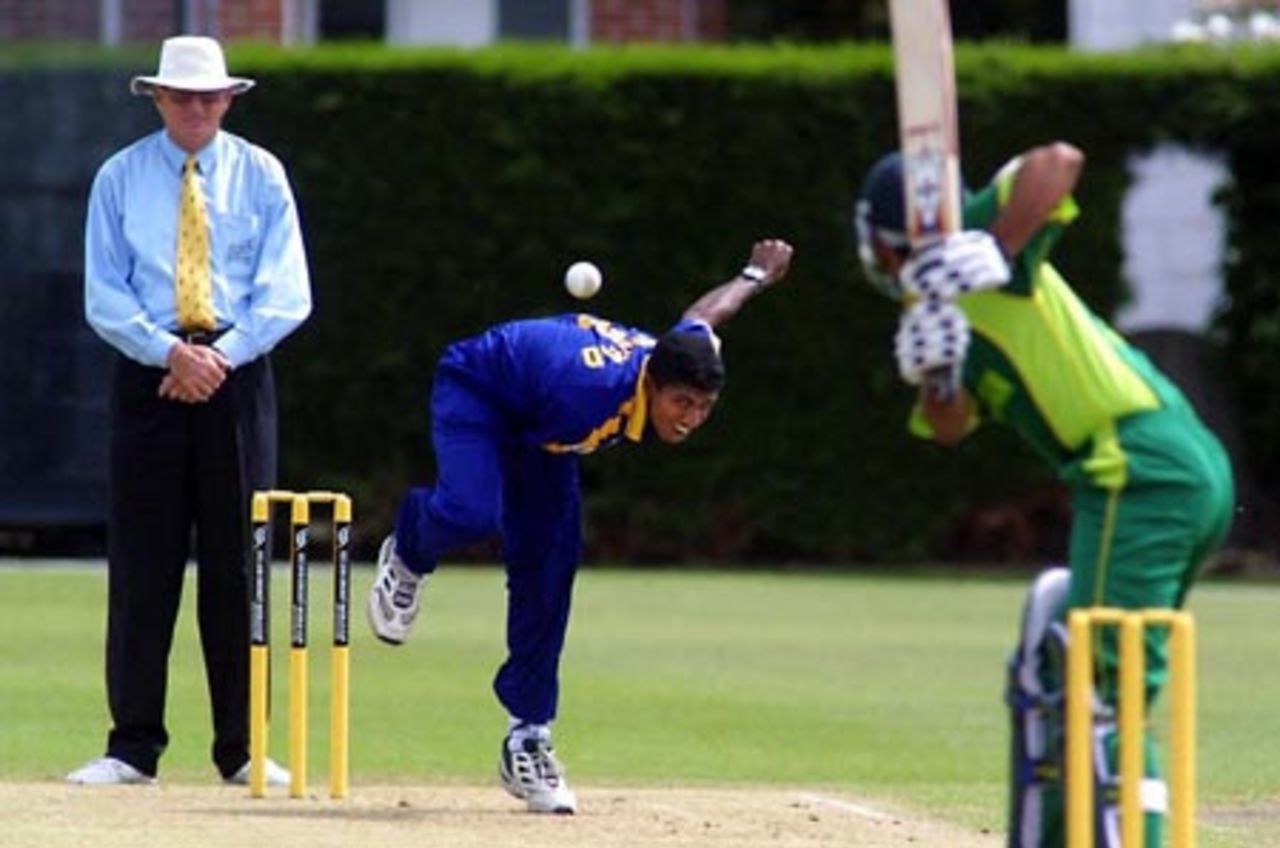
pixel 442 191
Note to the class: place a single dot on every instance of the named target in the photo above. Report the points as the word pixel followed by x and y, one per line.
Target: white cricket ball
pixel 583 280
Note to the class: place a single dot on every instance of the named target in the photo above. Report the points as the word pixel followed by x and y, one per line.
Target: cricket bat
pixel 928 136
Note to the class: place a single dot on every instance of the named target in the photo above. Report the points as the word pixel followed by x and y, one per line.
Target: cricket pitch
pixel 55 815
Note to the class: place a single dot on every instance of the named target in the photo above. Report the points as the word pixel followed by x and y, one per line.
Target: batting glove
pixel 932 334
pixel 953 265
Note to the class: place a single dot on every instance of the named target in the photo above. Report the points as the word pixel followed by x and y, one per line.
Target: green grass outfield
pixel 889 688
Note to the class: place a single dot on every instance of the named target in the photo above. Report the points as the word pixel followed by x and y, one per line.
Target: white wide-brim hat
pixel 191 63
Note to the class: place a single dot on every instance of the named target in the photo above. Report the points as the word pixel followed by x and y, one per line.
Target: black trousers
pixel 180 470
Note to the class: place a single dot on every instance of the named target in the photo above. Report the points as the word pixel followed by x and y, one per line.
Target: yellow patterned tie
pixel 192 286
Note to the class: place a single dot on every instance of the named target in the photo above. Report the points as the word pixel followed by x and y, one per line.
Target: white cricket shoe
pixel 277 775
pixel 106 771
pixel 531 772
pixel 393 599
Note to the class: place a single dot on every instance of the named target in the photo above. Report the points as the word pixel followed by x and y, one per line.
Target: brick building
pixel 657 20
pixel 459 22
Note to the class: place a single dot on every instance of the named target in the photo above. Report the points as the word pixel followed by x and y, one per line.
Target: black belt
pixel 201 337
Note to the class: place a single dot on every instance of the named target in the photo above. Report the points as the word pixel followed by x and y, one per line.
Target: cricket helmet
pixel 880 213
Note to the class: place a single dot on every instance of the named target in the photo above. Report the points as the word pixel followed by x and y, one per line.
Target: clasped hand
pixel 195 373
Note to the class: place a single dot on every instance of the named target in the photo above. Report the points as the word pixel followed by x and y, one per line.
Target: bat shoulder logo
pixel 925 170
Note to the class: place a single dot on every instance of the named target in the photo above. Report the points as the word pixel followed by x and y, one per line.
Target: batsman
pixel 1151 487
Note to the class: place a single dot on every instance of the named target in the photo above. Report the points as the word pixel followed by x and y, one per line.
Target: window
pixel 546 19
pixel 352 19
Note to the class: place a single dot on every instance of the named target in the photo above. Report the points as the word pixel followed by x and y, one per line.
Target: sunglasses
pixel 182 98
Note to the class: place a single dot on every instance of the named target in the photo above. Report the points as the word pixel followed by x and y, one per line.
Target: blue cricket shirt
pixel 572 383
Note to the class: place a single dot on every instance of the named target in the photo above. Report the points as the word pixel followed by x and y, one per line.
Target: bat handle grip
pixel 942 383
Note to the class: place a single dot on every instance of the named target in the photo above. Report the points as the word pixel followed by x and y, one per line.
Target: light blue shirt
pixel 261 287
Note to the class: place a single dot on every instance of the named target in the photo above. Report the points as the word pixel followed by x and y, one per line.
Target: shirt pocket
pixel 236 241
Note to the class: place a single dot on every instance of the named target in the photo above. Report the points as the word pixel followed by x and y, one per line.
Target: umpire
pixel 194 270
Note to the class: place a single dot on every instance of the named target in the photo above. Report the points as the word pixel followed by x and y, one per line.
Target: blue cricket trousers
pixel 486 483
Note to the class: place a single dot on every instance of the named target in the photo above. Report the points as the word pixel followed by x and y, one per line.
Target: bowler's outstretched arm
pixel 769 262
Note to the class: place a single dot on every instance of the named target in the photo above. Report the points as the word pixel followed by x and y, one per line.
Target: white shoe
pixel 277 775
pixel 531 772
pixel 393 600
pixel 105 771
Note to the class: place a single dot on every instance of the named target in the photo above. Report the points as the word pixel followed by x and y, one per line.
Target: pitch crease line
pixel 846 806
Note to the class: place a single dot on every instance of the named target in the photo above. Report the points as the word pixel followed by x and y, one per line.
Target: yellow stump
pixel 1182 655
pixel 298 722
pixel 1132 719
pixel 340 692
pixel 259 644
pixel 258 658
pixel 339 724
pixel 300 520
pixel 1079 731
pixel 1132 708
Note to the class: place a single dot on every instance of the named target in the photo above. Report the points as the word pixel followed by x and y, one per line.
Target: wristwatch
pixel 753 274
